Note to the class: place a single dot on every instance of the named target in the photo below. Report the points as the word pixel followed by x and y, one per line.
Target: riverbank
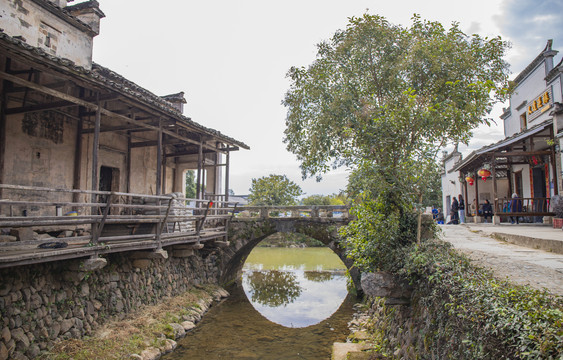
pixel 459 310
pixel 146 334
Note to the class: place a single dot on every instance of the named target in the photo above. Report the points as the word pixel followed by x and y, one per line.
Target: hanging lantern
pixel 484 174
pixel 470 180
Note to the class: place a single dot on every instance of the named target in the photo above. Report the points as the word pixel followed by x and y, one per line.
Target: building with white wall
pixel 527 161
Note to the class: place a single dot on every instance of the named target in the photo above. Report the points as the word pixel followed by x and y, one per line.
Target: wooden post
pixel 496 217
pixel 3 129
pixel 159 159
pixel 78 156
pixel 128 161
pixel 163 171
pixel 95 147
pixel 227 168
pixel 553 165
pixel 509 176
pixel 198 180
pixel 467 201
pixel 476 192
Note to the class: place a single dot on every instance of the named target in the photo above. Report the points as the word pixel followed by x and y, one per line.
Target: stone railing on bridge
pixel 294 212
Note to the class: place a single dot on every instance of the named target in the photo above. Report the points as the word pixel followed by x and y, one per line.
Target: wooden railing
pixel 523 207
pixel 55 224
pixel 123 222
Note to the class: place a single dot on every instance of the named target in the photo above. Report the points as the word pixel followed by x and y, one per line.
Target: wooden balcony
pixel 57 227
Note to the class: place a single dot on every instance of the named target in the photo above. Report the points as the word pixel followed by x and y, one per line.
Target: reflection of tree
pixel 274 288
pixel 318 276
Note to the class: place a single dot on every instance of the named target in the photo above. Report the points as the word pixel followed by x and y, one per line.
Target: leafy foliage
pixel 476 316
pixel 383 99
pixel 274 190
pixel 190 184
pixel 335 199
pixel 274 288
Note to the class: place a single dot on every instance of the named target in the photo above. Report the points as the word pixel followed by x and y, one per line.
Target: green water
pixel 308 259
pixel 291 304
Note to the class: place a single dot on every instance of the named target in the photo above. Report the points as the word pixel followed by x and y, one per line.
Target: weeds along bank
pixel 460 311
pixel 44 303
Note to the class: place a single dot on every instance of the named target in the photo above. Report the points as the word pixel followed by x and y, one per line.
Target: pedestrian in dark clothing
pixel 461 210
pixel 487 210
pixel 454 212
pixel 515 207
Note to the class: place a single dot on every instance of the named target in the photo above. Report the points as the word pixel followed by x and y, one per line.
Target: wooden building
pixel 527 162
pixel 69 123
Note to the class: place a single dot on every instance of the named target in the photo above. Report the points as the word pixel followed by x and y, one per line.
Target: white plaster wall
pixel 25 18
pixel 525 179
pixel 450 184
pixel 527 90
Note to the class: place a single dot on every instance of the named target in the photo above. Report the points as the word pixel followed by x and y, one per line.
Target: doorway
pixel 109 181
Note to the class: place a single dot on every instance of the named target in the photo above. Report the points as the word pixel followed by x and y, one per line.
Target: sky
pixel 230 57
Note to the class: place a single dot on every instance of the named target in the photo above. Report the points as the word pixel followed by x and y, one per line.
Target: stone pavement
pixel 522 265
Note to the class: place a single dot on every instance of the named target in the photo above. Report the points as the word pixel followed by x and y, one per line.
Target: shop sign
pixel 540 104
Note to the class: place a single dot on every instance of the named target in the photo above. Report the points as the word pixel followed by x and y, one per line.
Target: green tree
pixel 334 199
pixel 190 184
pixel 274 190
pixel 383 99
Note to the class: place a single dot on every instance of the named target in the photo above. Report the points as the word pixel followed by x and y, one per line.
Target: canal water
pixel 290 304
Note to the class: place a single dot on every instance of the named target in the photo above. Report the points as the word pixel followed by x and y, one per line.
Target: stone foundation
pixel 43 303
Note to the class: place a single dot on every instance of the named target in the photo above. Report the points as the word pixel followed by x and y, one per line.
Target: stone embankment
pixel 43 304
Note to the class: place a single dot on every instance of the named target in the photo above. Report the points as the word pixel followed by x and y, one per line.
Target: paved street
pixel 537 268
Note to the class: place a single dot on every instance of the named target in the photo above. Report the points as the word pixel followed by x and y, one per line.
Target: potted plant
pixel 557 208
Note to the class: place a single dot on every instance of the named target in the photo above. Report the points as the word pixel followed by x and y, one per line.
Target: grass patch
pixel 120 338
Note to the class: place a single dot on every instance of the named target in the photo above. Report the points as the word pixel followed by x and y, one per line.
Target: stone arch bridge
pixel 318 222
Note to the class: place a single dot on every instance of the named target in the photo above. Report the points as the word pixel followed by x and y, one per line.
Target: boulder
pixel 178 330
pixel 150 354
pixel 187 325
pixel 384 284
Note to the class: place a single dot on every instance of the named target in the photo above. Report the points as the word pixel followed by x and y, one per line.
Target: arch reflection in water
pixel 299 293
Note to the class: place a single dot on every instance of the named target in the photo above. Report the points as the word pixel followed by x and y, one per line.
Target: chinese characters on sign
pixel 540 104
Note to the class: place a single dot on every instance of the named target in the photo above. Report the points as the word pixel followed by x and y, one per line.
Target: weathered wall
pixel 43 29
pixel 45 302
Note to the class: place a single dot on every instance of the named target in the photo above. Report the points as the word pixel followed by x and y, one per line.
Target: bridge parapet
pixel 295 212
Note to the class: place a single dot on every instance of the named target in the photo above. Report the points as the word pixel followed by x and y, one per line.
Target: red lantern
pixel 484 174
pixel 470 180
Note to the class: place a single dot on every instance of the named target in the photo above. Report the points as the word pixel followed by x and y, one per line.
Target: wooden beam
pixel 116 128
pixel 523 153
pixel 155 143
pixel 56 105
pixel 89 105
pixel 187 152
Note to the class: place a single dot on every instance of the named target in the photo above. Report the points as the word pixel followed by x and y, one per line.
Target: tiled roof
pixel 114 81
pixel 504 142
pixel 545 52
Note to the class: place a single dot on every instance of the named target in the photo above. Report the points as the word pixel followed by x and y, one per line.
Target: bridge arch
pixel 245 234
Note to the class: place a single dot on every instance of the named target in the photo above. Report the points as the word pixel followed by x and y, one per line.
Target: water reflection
pixel 319 276
pixel 298 292
pixel 273 288
pixel 235 330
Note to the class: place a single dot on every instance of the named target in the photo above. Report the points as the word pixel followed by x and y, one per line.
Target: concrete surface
pixel 523 265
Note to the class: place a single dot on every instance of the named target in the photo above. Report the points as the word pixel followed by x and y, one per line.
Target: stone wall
pixel 42 303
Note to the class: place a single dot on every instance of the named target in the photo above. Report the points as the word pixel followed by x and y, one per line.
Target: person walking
pixel 461 209
pixel 455 212
pixel 515 207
